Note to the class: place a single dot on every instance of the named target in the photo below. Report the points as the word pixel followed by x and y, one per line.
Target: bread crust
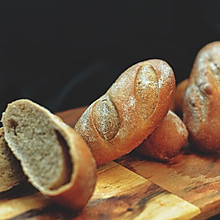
pixel 129 111
pixel 201 107
pixel 75 193
pixel 166 141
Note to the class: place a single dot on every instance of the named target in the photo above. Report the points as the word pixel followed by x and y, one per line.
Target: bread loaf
pixel 166 141
pixel 201 107
pixel 179 96
pixel 54 157
pixel 10 170
pixel 129 111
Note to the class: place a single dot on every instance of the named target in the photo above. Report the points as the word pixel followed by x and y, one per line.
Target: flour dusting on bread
pixel 137 110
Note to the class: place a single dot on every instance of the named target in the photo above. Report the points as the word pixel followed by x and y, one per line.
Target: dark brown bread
pixel 130 110
pixel 53 156
pixel 166 141
pixel 201 107
pixel 11 173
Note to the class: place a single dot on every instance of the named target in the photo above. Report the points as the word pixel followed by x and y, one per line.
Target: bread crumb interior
pixel 40 147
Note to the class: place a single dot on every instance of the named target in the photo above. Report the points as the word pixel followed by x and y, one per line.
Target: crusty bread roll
pixel 201 107
pixel 54 157
pixel 178 97
pixel 129 111
pixel 166 141
pixel 11 173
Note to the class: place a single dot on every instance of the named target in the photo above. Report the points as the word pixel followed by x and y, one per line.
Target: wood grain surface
pixel 132 187
pixel 119 194
pixel 191 176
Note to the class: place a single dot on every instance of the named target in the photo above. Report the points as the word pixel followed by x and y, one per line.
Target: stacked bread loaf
pixel 166 141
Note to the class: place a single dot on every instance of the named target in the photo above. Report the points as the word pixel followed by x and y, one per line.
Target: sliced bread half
pixel 54 157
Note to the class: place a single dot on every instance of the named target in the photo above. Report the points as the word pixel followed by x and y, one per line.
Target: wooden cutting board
pixel 132 187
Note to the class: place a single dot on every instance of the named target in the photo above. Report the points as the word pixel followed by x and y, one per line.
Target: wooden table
pixel 132 187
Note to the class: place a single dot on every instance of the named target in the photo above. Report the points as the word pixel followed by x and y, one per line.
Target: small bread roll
pixel 201 106
pixel 166 140
pixel 11 173
pixel 53 156
pixel 129 111
pixel 179 96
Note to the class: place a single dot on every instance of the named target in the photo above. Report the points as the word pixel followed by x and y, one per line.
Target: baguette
pixel 53 156
pixel 166 141
pixel 201 106
pixel 11 173
pixel 129 111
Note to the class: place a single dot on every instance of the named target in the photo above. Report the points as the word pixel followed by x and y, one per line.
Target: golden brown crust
pixel 78 191
pixel 166 140
pixel 201 109
pixel 130 110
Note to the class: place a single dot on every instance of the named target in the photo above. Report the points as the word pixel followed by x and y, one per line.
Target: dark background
pixel 65 54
